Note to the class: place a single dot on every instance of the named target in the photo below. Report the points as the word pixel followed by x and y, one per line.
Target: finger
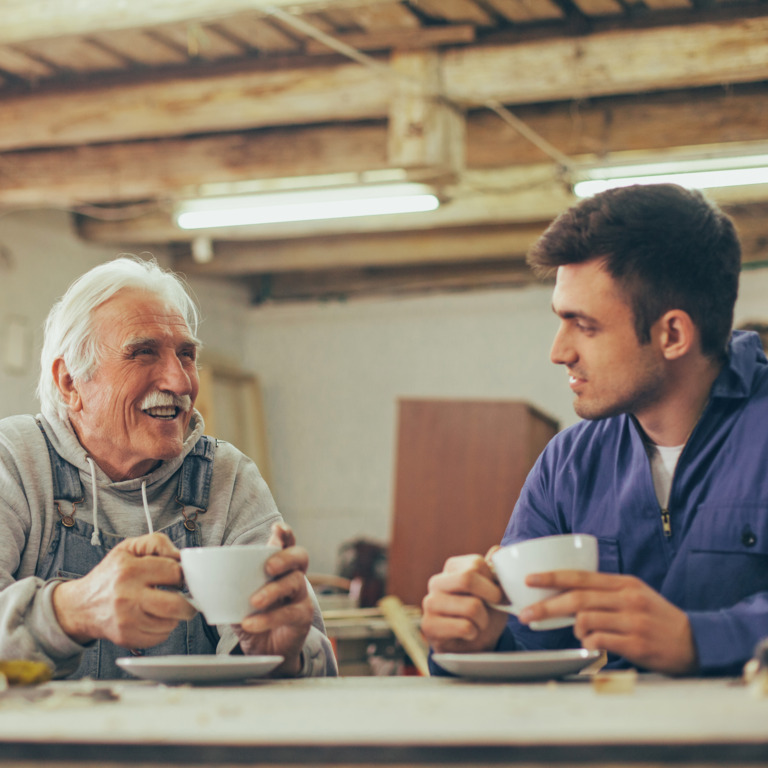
pixel 286 561
pixel 293 614
pixel 590 621
pixel 463 563
pixel 150 544
pixel 464 607
pixel 161 603
pixel 446 628
pixel 289 588
pixel 570 579
pixel 573 602
pixel 147 634
pixel 489 558
pixel 471 583
pixel 156 571
pixel 281 536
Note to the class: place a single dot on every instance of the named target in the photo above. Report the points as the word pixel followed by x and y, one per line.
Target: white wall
pixel 331 373
pixel 40 256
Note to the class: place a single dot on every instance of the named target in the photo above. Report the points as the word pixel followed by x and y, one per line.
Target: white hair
pixel 69 332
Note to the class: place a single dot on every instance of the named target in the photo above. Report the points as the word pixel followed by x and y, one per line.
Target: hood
pixel 746 364
pixel 66 444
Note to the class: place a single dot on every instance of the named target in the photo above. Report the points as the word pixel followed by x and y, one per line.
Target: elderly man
pixel 667 468
pixel 99 492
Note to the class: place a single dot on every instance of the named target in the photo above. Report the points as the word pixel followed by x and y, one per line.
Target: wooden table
pixel 383 721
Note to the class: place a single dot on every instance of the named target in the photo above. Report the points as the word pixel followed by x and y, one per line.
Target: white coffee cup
pixel 577 551
pixel 221 580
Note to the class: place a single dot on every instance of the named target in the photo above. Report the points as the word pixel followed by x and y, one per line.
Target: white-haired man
pixel 100 491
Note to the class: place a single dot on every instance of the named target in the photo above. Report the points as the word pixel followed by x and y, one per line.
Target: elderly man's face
pixel 135 410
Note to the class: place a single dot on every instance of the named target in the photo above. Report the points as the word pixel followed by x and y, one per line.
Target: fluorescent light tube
pixel 707 173
pixel 306 205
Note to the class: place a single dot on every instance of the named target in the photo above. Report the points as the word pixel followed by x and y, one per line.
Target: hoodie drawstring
pixel 146 506
pixel 96 536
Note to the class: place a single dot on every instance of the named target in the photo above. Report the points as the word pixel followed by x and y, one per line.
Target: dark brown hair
pixel 667 247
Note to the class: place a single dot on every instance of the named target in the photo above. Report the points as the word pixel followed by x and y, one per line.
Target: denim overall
pixel 71 555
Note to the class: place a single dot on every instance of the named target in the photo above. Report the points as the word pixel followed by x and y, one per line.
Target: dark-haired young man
pixel 669 468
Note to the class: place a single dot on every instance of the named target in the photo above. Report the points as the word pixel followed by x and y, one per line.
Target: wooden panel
pixel 137 45
pixel 260 34
pixel 230 403
pixel 657 5
pixel 401 39
pixel 460 466
pixel 527 10
pixel 455 10
pixel 74 53
pixel 199 41
pixel 19 63
pixel 600 7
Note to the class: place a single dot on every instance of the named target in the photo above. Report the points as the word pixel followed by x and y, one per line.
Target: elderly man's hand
pixel 456 617
pixel 284 606
pixel 620 614
pixel 118 599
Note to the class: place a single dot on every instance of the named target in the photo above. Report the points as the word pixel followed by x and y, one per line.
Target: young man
pixel 668 466
pixel 99 492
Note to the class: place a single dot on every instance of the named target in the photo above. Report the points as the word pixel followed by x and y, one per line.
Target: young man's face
pixel 610 372
pixel 145 348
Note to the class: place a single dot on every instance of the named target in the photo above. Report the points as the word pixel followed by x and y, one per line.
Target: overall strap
pixel 66 477
pixel 195 476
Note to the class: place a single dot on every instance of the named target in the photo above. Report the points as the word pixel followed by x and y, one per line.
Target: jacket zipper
pixel 666 524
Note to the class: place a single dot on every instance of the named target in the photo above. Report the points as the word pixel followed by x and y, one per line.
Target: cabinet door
pixel 459 469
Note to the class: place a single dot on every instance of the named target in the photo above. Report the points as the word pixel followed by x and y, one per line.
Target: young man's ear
pixel 677 334
pixel 66 385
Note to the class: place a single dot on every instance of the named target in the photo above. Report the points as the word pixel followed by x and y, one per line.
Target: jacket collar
pixel 746 360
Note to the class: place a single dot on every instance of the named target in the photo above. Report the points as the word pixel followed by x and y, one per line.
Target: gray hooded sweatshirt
pixel 241 511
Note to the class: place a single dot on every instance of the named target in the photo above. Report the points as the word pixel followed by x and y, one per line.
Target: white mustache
pixel 159 399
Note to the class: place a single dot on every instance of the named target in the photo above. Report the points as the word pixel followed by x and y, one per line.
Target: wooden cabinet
pixel 460 466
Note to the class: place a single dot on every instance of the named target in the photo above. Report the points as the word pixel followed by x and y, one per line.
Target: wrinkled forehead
pixel 135 314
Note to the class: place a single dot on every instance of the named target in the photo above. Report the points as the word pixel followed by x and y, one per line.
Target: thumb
pixel 282 536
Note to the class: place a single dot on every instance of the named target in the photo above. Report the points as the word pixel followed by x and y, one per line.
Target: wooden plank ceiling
pixel 115 111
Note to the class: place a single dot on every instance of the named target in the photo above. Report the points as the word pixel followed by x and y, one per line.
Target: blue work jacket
pixel 595 477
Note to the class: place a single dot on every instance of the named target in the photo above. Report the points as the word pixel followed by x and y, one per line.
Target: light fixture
pixel 696 173
pixel 202 249
pixel 305 205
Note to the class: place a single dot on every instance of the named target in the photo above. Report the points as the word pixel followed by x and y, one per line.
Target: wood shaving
pixel 616 681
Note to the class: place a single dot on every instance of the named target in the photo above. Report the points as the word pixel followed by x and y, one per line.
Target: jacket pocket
pixel 727 555
pixel 609 555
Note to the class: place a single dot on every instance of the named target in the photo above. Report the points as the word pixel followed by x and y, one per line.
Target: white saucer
pixel 199 669
pixel 517 665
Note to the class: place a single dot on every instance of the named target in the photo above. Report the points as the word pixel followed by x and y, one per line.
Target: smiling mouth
pixel 164 412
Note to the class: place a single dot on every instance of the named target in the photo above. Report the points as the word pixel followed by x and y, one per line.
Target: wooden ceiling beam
pixel 22 18
pixel 512 195
pixel 380 250
pixel 167 168
pixel 173 167
pixel 532 72
pixel 347 284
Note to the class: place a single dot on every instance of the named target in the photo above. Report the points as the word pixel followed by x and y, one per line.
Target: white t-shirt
pixel 663 462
